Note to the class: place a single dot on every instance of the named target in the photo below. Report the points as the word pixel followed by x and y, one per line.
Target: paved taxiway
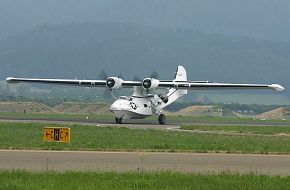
pixel 136 124
pixel 146 161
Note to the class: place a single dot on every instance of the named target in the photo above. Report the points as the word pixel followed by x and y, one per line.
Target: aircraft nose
pixel 119 105
pixel 114 106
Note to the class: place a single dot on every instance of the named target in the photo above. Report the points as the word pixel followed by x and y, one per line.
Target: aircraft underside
pixel 125 114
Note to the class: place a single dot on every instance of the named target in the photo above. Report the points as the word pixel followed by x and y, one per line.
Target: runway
pixel 134 124
pixel 41 160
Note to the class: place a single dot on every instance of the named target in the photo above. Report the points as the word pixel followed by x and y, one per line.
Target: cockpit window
pixel 124 98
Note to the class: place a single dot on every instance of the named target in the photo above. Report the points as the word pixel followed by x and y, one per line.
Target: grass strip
pixel 270 130
pixel 133 180
pixel 30 136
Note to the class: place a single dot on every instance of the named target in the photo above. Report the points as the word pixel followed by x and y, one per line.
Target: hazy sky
pixel 266 19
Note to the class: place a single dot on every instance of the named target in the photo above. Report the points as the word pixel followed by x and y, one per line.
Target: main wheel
pixel 161 119
pixel 118 120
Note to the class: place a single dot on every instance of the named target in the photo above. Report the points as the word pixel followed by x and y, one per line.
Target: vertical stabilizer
pixel 180 74
pixel 173 94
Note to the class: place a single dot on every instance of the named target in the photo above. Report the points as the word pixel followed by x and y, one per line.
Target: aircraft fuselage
pixel 132 107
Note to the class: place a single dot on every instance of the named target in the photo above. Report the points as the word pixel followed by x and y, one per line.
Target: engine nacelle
pixel 150 84
pixel 114 83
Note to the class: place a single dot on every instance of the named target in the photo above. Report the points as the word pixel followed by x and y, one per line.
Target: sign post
pixel 56 134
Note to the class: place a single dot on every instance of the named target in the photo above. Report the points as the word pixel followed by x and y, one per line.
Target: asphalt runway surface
pixel 41 160
pixel 137 124
pixel 134 124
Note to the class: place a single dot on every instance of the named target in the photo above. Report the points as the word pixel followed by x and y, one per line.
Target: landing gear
pixel 118 120
pixel 161 119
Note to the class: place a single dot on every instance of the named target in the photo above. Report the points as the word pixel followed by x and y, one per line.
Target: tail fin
pixel 180 74
pixel 173 94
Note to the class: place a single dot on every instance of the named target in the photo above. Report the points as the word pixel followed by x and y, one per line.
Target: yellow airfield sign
pixel 56 134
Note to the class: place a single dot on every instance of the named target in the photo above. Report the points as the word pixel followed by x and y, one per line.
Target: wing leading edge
pixel 198 85
pixel 218 86
pixel 74 82
pixel 100 83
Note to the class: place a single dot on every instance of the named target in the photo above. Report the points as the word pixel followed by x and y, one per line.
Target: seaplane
pixel 143 102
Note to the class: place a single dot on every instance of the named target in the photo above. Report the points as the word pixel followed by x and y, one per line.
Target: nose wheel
pixel 118 120
pixel 161 119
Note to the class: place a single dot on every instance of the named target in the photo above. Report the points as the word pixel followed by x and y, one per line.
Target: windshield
pixel 124 98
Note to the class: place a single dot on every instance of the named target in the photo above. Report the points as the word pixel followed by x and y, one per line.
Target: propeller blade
pixel 120 76
pixel 136 78
pixel 103 75
pixel 154 75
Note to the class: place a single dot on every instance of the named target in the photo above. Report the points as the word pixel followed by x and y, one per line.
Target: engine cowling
pixel 150 84
pixel 114 83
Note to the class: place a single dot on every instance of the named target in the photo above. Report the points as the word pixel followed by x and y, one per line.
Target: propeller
pixel 154 75
pixel 120 76
pixel 136 78
pixel 103 75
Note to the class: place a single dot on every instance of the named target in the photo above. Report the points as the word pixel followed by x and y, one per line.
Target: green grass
pixel 271 130
pixel 132 180
pixel 30 136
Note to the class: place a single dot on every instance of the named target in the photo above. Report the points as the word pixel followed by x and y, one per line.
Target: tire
pixel 118 120
pixel 161 119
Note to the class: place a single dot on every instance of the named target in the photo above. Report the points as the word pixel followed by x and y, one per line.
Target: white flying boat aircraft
pixel 143 102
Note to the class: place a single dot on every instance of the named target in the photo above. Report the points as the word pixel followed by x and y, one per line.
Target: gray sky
pixel 265 19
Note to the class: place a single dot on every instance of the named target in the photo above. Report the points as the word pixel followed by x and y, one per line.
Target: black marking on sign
pixel 56 134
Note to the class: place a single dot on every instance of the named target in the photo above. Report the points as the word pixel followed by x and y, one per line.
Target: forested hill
pixel 84 50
